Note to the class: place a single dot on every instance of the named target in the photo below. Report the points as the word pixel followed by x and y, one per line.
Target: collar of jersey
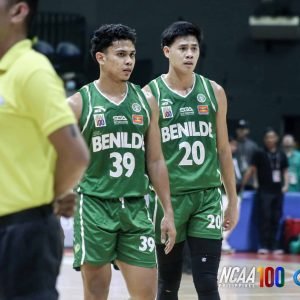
pixel 110 101
pixel 174 92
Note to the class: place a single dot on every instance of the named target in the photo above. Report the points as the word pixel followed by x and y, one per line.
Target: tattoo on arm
pixel 73 131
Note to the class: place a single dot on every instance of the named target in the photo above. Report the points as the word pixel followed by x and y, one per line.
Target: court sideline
pixel 70 285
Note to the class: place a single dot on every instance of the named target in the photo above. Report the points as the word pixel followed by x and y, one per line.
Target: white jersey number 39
pixel 147 244
pixel 125 163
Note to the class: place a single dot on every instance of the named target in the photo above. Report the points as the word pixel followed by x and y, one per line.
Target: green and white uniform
pixel 188 136
pixel 112 220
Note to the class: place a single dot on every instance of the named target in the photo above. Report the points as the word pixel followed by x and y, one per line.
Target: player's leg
pixel 169 271
pixel 136 250
pixel 96 281
pixel 206 254
pixel 141 282
pixel 170 266
pixel 205 241
pixel 95 239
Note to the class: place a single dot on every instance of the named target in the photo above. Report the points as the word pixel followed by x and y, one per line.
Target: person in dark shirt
pixel 270 165
pixel 246 147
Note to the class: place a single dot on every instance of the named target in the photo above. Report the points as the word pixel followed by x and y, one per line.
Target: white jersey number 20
pixel 194 154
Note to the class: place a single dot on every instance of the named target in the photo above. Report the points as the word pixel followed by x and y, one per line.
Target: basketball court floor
pixel 240 277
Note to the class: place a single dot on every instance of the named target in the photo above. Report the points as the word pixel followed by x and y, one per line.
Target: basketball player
pixel 112 222
pixel 195 144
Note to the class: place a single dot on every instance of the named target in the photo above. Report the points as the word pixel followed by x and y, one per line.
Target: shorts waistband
pixel 124 198
pixel 28 215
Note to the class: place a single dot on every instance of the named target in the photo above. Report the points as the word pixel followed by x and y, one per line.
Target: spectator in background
pixel 226 247
pixel 271 165
pixel 245 150
pixel 288 145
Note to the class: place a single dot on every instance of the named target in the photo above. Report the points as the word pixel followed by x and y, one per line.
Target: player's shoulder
pixel 153 83
pixel 216 86
pixel 152 88
pixel 218 89
pixel 75 97
pixel 147 91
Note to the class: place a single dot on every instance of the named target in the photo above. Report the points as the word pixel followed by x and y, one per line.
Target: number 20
pixel 198 153
pixel 215 221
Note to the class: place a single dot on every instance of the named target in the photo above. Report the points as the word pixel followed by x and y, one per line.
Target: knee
pixel 168 289
pixel 96 290
pixel 169 278
pixel 143 290
pixel 206 284
pixel 95 287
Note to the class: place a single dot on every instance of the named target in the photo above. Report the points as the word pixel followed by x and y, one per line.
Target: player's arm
pixel 75 102
pixel 225 158
pixel 158 174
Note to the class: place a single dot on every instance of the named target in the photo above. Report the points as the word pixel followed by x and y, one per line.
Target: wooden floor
pixel 70 285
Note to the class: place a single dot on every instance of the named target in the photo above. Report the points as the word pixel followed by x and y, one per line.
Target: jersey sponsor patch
pixel 99 120
pixel 201 98
pixel 167 112
pixel 202 109
pixel 138 119
pixel 120 120
pixel 136 107
pixel 165 102
pixel 184 111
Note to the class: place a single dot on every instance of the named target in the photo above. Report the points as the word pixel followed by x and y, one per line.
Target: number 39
pixel 147 243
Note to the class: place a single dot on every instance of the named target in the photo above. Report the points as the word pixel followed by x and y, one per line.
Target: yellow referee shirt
pixel 32 106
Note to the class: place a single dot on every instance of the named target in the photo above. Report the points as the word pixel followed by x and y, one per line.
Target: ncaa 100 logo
pixel 263 277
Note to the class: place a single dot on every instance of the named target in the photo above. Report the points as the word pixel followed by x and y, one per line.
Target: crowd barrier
pixel 245 235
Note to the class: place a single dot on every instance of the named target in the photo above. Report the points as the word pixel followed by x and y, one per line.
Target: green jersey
pixel 188 135
pixel 115 136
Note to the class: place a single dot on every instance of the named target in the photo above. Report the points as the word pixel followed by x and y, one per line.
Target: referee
pixel 42 156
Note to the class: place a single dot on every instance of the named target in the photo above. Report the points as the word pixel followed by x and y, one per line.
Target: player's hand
pixel 231 216
pixel 168 232
pixel 65 206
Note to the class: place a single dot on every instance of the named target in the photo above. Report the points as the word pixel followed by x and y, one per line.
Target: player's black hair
pixel 105 35
pixel 180 29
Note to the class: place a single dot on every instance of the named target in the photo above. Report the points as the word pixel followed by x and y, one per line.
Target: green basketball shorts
pixel 113 229
pixel 197 214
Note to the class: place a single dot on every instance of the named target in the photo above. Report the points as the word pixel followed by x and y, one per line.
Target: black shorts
pixel 31 250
